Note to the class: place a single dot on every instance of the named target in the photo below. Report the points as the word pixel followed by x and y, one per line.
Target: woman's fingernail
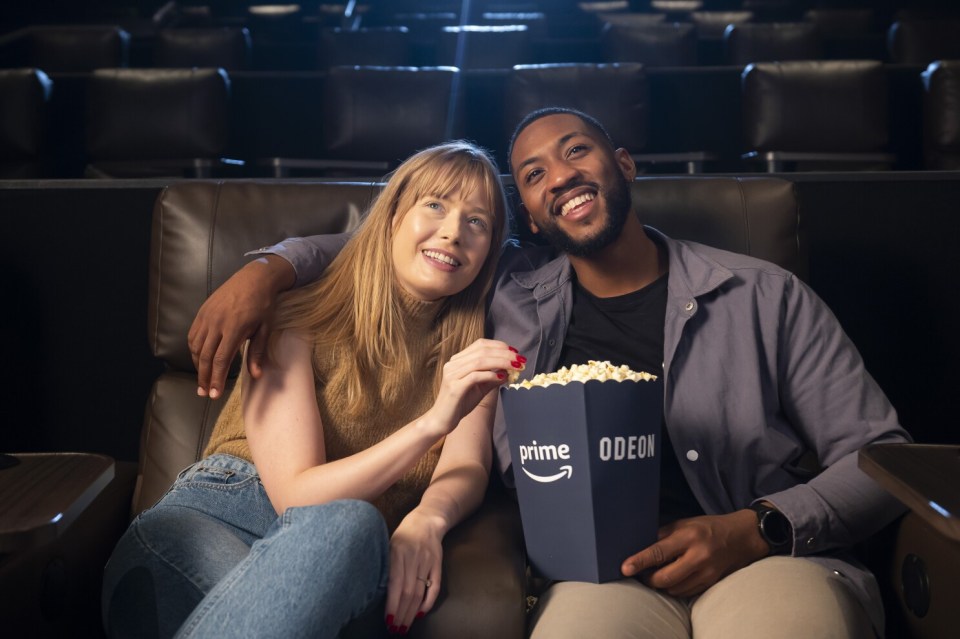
pixel 516 364
pixel 421 615
pixel 521 359
pixel 501 375
pixel 513 349
pixel 389 620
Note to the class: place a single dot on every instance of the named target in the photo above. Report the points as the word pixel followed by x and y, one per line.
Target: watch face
pixel 775 528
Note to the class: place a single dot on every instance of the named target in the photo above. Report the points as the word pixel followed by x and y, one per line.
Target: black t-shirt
pixel 628 329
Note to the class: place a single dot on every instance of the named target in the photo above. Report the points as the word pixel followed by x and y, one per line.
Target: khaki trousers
pixel 782 597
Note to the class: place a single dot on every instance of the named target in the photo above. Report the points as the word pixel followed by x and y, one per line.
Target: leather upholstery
pixel 484 46
pixel 615 94
pixel 388 113
pixel 815 106
pixel 671 44
pixel 24 98
pixel 200 232
pixel 156 114
pixel 941 115
pixel 227 48
pixel 923 41
pixel 766 42
pixel 201 229
pixel 77 48
pixel 387 46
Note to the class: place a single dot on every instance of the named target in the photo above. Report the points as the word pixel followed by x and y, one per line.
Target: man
pixel 759 379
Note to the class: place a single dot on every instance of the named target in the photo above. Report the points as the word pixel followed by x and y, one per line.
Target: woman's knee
pixel 350 530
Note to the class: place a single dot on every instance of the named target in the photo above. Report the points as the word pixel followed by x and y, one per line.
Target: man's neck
pixel 630 263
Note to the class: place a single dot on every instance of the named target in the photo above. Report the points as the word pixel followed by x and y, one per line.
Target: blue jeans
pixel 212 559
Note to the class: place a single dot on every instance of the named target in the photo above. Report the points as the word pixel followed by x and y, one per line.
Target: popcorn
pixel 514 374
pixel 601 371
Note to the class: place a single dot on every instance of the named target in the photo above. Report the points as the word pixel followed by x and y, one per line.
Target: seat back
pixel 922 41
pixel 201 230
pixel 769 42
pixel 753 216
pixel 141 121
pixel 616 94
pixel 228 48
pixel 672 44
pixel 481 46
pixel 24 98
pixel 385 114
pixel 56 48
pixel 941 115
pixel 816 107
pixel 383 46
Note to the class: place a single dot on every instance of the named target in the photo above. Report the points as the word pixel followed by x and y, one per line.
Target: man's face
pixel 574 186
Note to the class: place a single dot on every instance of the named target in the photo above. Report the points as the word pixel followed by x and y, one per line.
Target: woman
pixel 354 429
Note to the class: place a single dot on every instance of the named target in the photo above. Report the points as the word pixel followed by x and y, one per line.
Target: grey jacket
pixel 765 397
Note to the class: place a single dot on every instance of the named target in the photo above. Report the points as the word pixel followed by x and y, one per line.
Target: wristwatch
pixel 775 528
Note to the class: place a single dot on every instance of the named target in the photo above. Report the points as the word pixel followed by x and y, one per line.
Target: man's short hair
pixel 533 116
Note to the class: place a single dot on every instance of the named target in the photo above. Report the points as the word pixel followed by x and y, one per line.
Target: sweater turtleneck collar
pixel 420 315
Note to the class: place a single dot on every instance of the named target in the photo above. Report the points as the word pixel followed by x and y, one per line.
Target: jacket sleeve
pixel 308 255
pixel 837 407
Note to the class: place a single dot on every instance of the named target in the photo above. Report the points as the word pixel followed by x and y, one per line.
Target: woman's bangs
pixel 460 174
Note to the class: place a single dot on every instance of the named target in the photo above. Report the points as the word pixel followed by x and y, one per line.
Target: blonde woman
pixel 331 479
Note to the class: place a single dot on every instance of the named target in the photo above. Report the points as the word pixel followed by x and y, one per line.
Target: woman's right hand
pixel 468 377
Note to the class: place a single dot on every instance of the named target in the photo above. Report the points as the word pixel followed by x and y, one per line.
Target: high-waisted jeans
pixel 213 559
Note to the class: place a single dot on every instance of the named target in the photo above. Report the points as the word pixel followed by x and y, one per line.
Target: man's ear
pixel 626 164
pixel 529 220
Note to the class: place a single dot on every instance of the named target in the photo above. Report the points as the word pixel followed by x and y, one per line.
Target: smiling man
pixel 757 375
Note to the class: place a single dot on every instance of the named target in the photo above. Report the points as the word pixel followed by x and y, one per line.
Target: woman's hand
pixel 416 557
pixel 468 377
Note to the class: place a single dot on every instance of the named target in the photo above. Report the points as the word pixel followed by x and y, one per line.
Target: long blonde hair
pixel 355 304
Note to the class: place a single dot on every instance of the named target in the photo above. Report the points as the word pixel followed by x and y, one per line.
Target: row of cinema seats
pixel 719 38
pixel 175 122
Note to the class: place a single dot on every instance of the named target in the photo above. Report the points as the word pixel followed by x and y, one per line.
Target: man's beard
pixel 618 208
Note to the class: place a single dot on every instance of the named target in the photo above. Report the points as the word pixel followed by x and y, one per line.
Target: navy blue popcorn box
pixel 586 464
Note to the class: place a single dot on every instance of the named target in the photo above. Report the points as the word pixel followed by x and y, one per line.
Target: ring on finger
pixel 426 581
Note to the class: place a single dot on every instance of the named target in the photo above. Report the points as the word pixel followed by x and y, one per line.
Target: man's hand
pixel 693 554
pixel 235 312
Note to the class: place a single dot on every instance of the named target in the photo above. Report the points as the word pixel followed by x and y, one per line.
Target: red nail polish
pixel 513 349
pixel 421 615
pixel 516 364
pixel 521 359
pixel 389 620
pixel 501 375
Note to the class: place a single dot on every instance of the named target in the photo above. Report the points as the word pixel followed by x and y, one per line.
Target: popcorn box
pixel 586 463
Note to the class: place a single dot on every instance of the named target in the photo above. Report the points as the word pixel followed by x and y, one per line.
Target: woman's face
pixel 441 243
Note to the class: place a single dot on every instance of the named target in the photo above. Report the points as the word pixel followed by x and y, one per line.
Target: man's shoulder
pixel 731 260
pixel 519 257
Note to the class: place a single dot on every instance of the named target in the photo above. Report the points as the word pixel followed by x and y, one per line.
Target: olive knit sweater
pixel 345 435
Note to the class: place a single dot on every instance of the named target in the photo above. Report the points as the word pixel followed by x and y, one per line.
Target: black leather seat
pixel 374 46
pixel 816 114
pixel 941 115
pixel 668 44
pixel 483 46
pixel 228 48
pixel 156 122
pixel 376 117
pixel 922 41
pixel 68 48
pixel 771 42
pixel 24 99
pixel 615 94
